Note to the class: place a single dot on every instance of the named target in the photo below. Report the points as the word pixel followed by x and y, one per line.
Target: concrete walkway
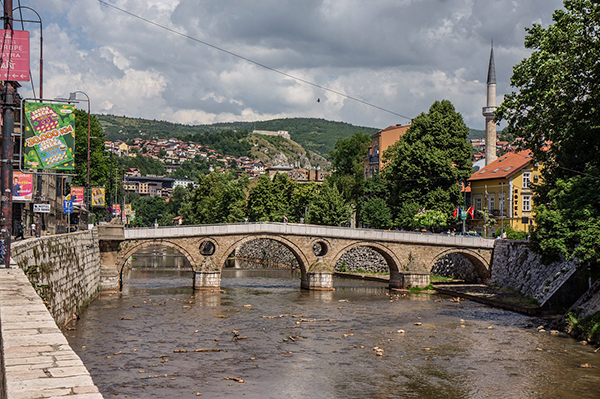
pixel 38 361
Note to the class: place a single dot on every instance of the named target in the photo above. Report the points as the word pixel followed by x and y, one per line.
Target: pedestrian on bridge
pixel 285 219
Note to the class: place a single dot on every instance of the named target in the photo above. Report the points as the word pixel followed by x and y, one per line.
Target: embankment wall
pixel 64 269
pixel 555 286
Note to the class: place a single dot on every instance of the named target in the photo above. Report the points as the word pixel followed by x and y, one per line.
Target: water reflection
pixel 312 344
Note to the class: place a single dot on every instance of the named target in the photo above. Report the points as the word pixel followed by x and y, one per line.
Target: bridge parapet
pixel 309 230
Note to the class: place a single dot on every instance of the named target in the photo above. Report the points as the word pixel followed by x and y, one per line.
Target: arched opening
pixel 264 261
pixel 363 259
pixel 155 264
pixel 460 265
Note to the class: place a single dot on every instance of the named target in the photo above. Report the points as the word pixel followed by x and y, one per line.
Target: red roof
pixel 505 166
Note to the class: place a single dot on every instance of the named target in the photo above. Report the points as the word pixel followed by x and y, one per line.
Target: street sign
pixel 67 206
pixel 14 47
pixel 41 208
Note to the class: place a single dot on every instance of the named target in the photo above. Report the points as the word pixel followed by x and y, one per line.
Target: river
pixel 264 337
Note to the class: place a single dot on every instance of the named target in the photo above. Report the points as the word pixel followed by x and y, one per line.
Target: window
pixel 477 204
pixel 527 203
pixel 501 203
pixel 526 179
pixel 491 203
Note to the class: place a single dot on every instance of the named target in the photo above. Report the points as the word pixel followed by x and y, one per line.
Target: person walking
pixel 19 231
pixel 285 219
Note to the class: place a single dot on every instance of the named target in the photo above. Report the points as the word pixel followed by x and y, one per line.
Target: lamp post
pixel 73 97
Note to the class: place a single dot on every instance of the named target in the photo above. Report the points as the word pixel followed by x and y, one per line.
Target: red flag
pixel 456 212
pixel 471 211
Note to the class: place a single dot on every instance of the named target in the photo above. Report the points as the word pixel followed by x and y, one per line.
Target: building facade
pixel 380 142
pixel 503 189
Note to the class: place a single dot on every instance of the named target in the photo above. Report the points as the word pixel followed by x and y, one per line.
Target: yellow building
pixel 503 188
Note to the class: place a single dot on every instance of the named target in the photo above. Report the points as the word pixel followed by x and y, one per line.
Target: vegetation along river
pixel 264 337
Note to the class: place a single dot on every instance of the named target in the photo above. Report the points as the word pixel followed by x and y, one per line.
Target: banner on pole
pixel 49 136
pixel 22 187
pixel 77 195
pixel 98 194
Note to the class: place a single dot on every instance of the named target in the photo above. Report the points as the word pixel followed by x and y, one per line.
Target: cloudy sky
pixel 391 59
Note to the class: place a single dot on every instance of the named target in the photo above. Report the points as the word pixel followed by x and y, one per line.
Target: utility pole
pixel 8 127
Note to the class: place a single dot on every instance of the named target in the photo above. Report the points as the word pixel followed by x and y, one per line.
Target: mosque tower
pixel 488 112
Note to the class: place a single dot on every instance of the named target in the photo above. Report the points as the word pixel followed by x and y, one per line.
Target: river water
pixel 264 337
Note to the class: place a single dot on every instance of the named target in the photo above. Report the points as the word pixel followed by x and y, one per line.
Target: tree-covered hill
pixel 318 135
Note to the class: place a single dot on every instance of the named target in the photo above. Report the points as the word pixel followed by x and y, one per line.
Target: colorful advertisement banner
pixel 77 195
pixel 127 209
pixel 116 209
pixel 49 136
pixel 98 194
pixel 22 187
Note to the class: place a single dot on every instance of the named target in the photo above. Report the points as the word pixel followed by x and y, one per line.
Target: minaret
pixel 488 112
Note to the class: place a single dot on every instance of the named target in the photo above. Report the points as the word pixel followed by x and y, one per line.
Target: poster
pixel 77 195
pixel 98 194
pixel 116 209
pixel 127 209
pixel 22 187
pixel 49 136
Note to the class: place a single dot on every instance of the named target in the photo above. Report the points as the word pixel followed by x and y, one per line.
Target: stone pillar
pixel 408 280
pixel 318 281
pixel 207 280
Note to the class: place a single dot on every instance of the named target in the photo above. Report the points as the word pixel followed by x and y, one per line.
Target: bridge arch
pixel 135 246
pixel 480 264
pixel 392 260
pixel 297 252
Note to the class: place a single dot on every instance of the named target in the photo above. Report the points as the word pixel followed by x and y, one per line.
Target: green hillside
pixel 317 135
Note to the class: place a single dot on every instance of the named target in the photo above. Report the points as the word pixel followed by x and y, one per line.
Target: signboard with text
pixel 49 136
pixel 22 187
pixel 41 208
pixel 15 55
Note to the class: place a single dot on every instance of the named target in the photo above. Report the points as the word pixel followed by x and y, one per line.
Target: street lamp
pixel 73 97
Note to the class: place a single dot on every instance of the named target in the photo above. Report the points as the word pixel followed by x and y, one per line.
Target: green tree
pixel 373 208
pixel 219 198
pixel 328 207
pixel 425 166
pixel 269 200
pixel 554 110
pixel 148 210
pixel 348 163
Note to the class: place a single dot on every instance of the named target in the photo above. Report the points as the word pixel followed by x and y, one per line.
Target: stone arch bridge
pixel 410 256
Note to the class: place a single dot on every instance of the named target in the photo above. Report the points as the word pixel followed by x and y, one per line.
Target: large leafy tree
pixel 425 166
pixel 219 198
pixel 555 111
pixel 348 163
pixel 373 208
pixel 328 207
pixel 269 200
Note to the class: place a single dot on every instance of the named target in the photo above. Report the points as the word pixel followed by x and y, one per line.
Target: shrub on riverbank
pixel 586 328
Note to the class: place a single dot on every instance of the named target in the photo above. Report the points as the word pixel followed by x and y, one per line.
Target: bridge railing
pixel 306 230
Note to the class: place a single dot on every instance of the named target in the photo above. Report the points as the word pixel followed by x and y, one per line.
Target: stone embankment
pixel 50 280
pixel 555 286
pixel 64 269
pixel 36 357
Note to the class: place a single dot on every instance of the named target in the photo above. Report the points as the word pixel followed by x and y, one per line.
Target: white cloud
pixel 398 55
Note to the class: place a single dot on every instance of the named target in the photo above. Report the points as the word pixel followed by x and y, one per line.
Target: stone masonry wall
pixel 517 267
pixel 64 269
